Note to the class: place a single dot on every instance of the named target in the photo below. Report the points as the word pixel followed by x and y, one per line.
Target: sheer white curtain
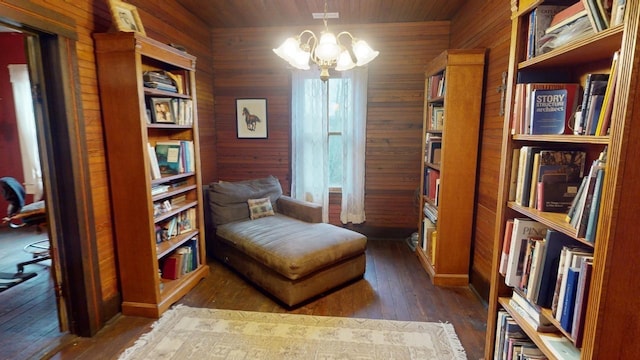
pixel 309 140
pixel 21 85
pixel 310 163
pixel 354 138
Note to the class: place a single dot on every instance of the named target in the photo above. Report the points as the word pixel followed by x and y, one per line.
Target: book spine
pixel 592 223
pixel 566 318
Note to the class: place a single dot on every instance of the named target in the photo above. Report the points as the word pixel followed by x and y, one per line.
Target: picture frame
pixel 125 17
pixel 161 111
pixel 251 118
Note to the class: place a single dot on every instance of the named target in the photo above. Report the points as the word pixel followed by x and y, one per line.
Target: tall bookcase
pixel 451 120
pixel 612 305
pixel 141 219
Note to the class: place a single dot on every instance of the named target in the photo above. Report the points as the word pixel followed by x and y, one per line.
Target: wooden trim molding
pixel 27 15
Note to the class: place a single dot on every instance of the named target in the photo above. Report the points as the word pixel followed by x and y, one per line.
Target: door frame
pixel 61 133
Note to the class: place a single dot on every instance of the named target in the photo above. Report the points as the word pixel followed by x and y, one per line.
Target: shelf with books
pixel 451 117
pixel 155 212
pixel 595 277
pixel 583 50
pixel 167 246
pixel 533 334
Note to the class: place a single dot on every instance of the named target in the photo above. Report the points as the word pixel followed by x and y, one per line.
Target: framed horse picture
pixel 251 118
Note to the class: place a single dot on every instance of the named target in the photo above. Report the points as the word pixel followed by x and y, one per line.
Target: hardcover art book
pixel 559 176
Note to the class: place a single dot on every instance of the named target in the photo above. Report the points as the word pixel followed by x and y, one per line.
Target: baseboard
pixel 377 232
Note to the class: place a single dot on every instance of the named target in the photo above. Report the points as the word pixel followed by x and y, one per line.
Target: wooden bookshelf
pixel 463 73
pixel 121 59
pixel 610 303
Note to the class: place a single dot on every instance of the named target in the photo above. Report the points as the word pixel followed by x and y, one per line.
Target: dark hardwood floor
pixel 28 313
pixel 394 287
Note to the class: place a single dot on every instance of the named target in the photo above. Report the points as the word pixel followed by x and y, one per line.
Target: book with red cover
pixel 566 16
pixel 506 245
pixel 171 268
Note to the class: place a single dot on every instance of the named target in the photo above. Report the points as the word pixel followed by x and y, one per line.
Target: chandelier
pixel 328 53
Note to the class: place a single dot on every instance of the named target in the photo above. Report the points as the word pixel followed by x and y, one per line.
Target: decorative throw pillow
pixel 259 208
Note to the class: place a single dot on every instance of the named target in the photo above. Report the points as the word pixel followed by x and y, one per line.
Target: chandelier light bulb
pixel 288 49
pixel 301 60
pixel 364 53
pixel 344 61
pixel 328 49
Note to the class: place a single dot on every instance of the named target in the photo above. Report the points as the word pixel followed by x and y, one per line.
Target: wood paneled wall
pixel 245 67
pixel 164 21
pixel 486 24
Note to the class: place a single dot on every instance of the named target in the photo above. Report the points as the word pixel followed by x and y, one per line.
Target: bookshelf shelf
pixel 533 334
pixel 445 257
pixel 573 139
pixel 162 93
pixel 171 178
pixel 607 305
pixel 175 211
pixel 166 247
pixel 122 58
pixel 176 191
pixel 554 221
pixel 580 51
pixel 168 126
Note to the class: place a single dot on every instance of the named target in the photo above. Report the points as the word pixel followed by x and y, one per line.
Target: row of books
pixel 551 26
pixel 547 269
pixel 436 86
pixel 181 261
pixel 512 343
pixel 170 111
pixel 594 115
pixel 542 108
pixel 435 115
pixel 432 185
pixel 546 179
pixel 433 149
pixel 429 236
pixel 162 188
pixel 171 158
pixel 181 223
pixel 585 207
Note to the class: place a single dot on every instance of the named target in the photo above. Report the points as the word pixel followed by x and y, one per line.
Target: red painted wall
pixel 13 52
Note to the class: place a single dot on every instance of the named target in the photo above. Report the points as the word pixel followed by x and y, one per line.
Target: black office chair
pixel 20 215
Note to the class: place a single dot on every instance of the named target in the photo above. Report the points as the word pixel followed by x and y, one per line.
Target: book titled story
pixel 548 111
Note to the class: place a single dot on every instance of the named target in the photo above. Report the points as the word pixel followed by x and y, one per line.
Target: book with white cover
pixel 523 229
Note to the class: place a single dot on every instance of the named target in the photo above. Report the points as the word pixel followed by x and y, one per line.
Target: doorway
pixel 53 69
pixel 30 316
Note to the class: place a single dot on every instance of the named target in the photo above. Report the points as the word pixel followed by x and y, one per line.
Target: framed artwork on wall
pixel 251 118
pixel 125 17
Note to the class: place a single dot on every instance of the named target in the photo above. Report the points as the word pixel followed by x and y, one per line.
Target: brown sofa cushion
pixel 292 247
pixel 228 200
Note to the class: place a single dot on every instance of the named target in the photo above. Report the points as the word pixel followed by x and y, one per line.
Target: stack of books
pixel 159 80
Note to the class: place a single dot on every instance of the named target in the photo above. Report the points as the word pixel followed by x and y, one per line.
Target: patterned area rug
pixel 194 333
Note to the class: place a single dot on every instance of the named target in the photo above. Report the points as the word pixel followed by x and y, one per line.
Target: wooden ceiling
pixel 267 13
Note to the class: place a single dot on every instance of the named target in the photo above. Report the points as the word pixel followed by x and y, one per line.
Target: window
pixel 336 108
pixel 328 137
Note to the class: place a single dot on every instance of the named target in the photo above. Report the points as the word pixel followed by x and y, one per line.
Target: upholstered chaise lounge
pixel 288 251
